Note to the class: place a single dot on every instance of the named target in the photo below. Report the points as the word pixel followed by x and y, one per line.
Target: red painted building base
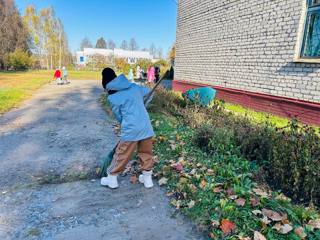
pixel 304 111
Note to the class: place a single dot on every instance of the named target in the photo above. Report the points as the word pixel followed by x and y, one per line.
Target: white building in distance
pixel 84 57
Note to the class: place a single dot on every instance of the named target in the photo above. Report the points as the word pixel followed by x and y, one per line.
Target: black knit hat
pixel 107 76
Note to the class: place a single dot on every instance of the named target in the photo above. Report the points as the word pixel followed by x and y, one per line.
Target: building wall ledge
pixel 304 111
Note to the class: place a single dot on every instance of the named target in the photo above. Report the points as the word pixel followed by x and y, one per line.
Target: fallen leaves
pixel 227 226
pixel 173 144
pixel 274 216
pixel 177 166
pixel 300 232
pixel 314 224
pixel 283 229
pixel 254 201
pixel 191 204
pixel 258 236
pixel 240 202
pixel 244 238
pixel 163 181
pixel 260 192
pixel 217 190
pixel 215 223
pixel 256 212
pixel 176 203
pixel 162 138
pixel 265 220
pixel 203 184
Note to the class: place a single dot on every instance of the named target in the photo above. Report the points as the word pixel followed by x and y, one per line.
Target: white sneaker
pixel 146 179
pixel 111 181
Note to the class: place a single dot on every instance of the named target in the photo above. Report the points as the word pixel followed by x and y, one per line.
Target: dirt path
pixel 57 138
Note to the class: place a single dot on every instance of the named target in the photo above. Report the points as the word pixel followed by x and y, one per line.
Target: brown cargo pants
pixel 124 153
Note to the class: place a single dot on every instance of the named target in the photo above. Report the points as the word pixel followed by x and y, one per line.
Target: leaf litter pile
pixel 219 193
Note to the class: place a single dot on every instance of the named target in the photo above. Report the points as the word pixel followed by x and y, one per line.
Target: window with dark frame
pixel 311 39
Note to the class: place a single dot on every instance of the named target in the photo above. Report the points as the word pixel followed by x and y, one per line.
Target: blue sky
pixel 146 20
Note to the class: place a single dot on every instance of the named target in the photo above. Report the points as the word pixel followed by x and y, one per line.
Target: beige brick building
pixel 261 54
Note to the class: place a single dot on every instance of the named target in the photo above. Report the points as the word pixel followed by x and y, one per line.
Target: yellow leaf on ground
pixel 203 184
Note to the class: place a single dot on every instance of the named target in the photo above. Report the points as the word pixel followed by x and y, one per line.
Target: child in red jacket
pixel 57 76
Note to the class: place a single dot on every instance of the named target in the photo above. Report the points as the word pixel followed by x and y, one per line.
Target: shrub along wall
pixel 289 157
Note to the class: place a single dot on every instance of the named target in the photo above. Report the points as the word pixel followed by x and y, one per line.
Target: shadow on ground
pixel 59 136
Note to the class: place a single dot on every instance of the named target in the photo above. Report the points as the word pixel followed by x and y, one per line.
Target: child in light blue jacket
pixel 127 103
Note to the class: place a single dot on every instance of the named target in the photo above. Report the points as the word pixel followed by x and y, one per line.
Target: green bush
pixel 289 156
pixel 167 101
pixel 143 63
pixel 255 142
pixel 214 140
pixel 19 60
pixel 295 163
pixel 122 65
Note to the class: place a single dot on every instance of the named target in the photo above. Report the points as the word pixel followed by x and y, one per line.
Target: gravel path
pixel 56 139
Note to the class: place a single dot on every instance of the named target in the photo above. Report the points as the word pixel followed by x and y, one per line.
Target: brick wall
pixel 244 44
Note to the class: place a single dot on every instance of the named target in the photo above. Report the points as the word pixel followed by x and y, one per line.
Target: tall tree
pixel 85 43
pixel 153 50
pixel 32 22
pixel 48 39
pixel 13 34
pixel 160 53
pixel 133 45
pixel 111 44
pixel 124 45
pixel 172 53
pixel 101 43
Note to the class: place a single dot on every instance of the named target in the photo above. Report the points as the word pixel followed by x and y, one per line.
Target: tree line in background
pixel 48 40
pixel 36 40
pixel 14 37
pixel 99 61
pixel 125 45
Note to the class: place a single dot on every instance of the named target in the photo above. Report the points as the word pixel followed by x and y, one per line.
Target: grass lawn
pixel 257 117
pixel 17 86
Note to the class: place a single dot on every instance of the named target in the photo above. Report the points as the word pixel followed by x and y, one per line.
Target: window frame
pixel 308 9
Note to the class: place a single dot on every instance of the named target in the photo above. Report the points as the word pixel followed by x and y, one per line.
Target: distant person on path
pixel 157 73
pixel 203 95
pixel 127 103
pixel 151 74
pixel 138 73
pixel 57 76
pixel 65 75
pixel 130 75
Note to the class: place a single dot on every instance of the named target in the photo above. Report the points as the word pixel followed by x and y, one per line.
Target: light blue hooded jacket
pixel 129 109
